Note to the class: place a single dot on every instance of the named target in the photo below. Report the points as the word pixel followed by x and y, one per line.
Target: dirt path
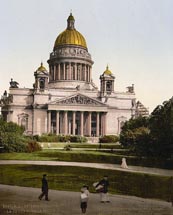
pixel 23 201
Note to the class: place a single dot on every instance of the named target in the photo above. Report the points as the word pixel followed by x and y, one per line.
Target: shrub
pixel 67 148
pixel 47 138
pixel 64 138
pixel 17 147
pixel 78 139
pixel 36 137
pixel 109 139
pixel 12 142
pixel 33 146
pixel 60 138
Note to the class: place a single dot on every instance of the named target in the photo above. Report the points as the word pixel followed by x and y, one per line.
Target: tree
pixel 161 127
pixel 136 123
pixel 151 136
pixel 128 132
pixel 136 136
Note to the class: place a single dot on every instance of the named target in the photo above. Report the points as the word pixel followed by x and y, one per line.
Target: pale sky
pixel 134 37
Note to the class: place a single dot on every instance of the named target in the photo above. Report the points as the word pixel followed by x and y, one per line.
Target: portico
pixel 77 115
pixel 84 123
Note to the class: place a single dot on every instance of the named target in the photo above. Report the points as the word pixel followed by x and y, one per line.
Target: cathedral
pixel 65 100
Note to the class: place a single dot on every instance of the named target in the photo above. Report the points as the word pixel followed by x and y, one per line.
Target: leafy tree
pixel 128 132
pixel 138 140
pixel 136 136
pixel 136 123
pixel 161 127
pixel 151 136
pixel 143 142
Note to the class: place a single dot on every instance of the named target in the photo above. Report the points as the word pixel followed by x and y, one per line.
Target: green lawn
pixel 87 156
pixel 81 145
pixel 73 178
pixel 62 155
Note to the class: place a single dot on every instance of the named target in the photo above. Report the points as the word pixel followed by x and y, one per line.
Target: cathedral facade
pixel 64 99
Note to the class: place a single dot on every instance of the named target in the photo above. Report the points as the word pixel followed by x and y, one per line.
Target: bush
pixel 78 139
pixel 12 142
pixel 11 137
pixel 47 138
pixel 17 147
pixel 60 138
pixel 36 137
pixel 64 138
pixel 67 148
pixel 33 146
pixel 109 139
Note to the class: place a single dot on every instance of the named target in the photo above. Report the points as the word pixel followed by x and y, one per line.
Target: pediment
pixel 78 99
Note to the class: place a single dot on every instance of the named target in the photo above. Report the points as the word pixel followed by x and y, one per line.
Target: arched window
pixel 23 120
pixel 108 86
pixel 42 83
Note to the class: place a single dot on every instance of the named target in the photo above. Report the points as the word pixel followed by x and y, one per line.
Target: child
pixel 83 200
pixel 86 191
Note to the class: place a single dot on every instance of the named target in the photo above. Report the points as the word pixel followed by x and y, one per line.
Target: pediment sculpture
pixel 79 99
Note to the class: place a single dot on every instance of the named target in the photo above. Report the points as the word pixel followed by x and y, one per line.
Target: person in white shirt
pixel 84 199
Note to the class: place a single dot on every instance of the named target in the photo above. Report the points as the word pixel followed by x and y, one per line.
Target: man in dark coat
pixel 104 190
pixel 44 188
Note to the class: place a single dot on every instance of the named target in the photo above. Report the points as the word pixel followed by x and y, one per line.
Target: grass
pixel 61 155
pixel 81 145
pixel 87 156
pixel 73 178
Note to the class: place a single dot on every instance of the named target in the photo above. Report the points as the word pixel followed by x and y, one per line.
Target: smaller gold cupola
pixel 41 68
pixel 41 78
pixel 107 71
pixel 106 82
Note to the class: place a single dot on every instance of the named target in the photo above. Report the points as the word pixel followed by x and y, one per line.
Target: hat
pixel 44 175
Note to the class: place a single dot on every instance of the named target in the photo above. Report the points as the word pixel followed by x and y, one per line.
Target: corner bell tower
pixel 106 82
pixel 41 78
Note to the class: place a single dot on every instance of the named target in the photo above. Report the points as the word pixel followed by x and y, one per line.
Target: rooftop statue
pixel 13 84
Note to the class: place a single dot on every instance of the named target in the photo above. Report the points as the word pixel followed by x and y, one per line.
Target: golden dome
pixel 107 71
pixel 70 36
pixel 41 68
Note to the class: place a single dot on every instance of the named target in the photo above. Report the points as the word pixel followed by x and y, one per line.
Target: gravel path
pixel 24 201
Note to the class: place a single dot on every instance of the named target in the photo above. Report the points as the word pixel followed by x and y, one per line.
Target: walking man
pixel 44 188
pixel 104 183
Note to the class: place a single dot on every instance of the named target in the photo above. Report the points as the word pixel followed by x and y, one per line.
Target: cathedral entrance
pixel 84 123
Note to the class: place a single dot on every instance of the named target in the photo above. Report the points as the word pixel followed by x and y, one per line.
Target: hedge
pixel 109 139
pixel 60 138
